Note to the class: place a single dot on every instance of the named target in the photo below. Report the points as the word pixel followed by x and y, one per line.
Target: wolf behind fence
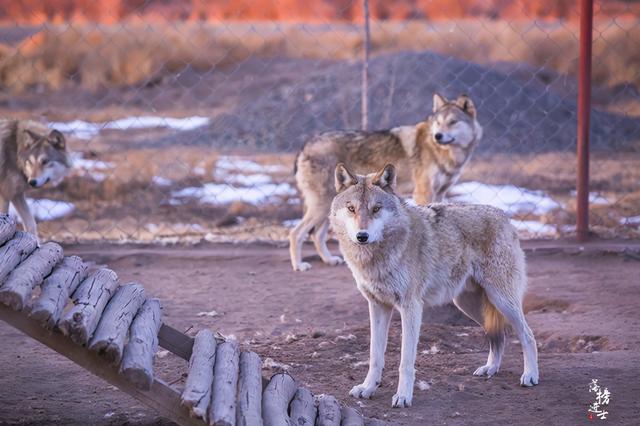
pixel 405 257
pixel 436 151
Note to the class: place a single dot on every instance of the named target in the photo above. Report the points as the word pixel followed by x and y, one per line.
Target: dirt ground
pixel 582 308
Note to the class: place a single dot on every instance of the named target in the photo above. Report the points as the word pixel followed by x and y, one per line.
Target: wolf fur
pixel 404 257
pixel 435 150
pixel 31 155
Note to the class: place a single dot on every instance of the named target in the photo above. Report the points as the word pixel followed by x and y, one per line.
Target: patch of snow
pixel 631 220
pixel 207 314
pixel 161 181
pixel 534 227
pixel 241 164
pixel 595 198
pixel 347 337
pixel 291 223
pixel 95 169
pixel 432 350
pixel 44 209
pixel 269 363
pixel 162 354
pixel 510 198
pixel 423 385
pixel 213 193
pixel 86 130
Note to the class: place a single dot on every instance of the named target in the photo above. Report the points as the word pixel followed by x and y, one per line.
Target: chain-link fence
pixel 183 118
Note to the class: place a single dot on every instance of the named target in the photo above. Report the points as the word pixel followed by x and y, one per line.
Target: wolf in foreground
pixel 436 150
pixel 404 257
pixel 31 155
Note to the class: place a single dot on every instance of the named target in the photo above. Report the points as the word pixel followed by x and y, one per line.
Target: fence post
pixel 365 69
pixel 584 110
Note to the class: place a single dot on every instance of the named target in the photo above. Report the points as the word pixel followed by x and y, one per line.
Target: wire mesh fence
pixel 183 119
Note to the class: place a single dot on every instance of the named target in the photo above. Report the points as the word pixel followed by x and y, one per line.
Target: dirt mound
pixel 518 116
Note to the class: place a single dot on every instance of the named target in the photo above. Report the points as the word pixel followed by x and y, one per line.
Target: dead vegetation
pixel 134 54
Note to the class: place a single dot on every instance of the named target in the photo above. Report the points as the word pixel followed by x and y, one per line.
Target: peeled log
pixel 328 411
pixel 15 251
pixel 222 411
pixel 62 282
pixel 249 411
pixel 137 361
pixel 303 408
pixel 112 330
pixel 350 417
pixel 17 289
pixel 89 300
pixel 7 228
pixel 276 398
pixel 197 390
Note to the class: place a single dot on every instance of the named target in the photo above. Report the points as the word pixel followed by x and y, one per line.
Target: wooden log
pixel 19 285
pixel 303 408
pixel 15 251
pixel 57 287
pixel 329 413
pixel 137 361
pixel 350 417
pixel 7 228
pixel 276 398
pixel 113 328
pixel 90 299
pixel 222 411
pixel 197 391
pixel 249 410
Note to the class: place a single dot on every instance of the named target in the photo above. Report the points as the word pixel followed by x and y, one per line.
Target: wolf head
pixel 364 209
pixel 43 158
pixel 454 122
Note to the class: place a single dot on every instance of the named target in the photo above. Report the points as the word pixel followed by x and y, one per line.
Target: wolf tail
pixel 495 324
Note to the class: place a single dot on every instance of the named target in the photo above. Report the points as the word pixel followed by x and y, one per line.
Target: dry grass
pixel 137 53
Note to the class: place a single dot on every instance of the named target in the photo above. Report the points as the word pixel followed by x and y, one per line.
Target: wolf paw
pixel 529 378
pixel 302 266
pixel 363 391
pixel 401 401
pixel 487 370
pixel 334 261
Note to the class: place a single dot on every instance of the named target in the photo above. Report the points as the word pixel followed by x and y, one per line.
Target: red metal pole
pixel 584 109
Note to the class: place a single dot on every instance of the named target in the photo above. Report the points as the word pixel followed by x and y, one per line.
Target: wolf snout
pixel 438 136
pixel 362 237
pixel 33 182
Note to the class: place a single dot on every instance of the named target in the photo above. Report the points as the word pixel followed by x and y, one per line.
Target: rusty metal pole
pixel 365 69
pixel 584 110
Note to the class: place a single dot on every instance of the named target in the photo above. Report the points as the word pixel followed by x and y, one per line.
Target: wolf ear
pixel 344 178
pixel 438 101
pixel 466 104
pixel 386 178
pixel 32 137
pixel 56 139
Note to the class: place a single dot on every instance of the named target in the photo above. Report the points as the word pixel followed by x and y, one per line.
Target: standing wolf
pixel 435 150
pixel 406 256
pixel 30 156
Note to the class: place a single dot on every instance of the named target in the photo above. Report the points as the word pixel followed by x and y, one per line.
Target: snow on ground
pixel 214 193
pixel 512 199
pixel 632 220
pixel 534 227
pixel 44 209
pixel 240 164
pixel 95 169
pixel 161 181
pixel 87 130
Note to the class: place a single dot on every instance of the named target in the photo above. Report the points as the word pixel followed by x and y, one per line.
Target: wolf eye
pixel 351 209
pixel 452 122
pixel 376 209
pixel 44 161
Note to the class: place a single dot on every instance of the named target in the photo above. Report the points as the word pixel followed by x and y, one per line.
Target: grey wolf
pixel 404 257
pixel 31 155
pixel 435 150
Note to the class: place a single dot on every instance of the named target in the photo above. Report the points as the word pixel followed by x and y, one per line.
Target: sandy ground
pixel 582 308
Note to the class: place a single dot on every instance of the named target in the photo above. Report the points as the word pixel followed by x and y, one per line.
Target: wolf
pixel 435 150
pixel 31 155
pixel 405 257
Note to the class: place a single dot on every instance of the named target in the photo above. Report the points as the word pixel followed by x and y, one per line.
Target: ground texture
pixel 582 308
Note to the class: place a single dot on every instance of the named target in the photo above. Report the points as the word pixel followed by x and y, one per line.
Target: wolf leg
pixel 29 222
pixel 320 241
pixel 411 319
pixel 297 236
pixel 512 311
pixel 471 303
pixel 379 317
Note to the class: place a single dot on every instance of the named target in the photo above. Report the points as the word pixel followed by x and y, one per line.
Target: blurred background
pixel 184 117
